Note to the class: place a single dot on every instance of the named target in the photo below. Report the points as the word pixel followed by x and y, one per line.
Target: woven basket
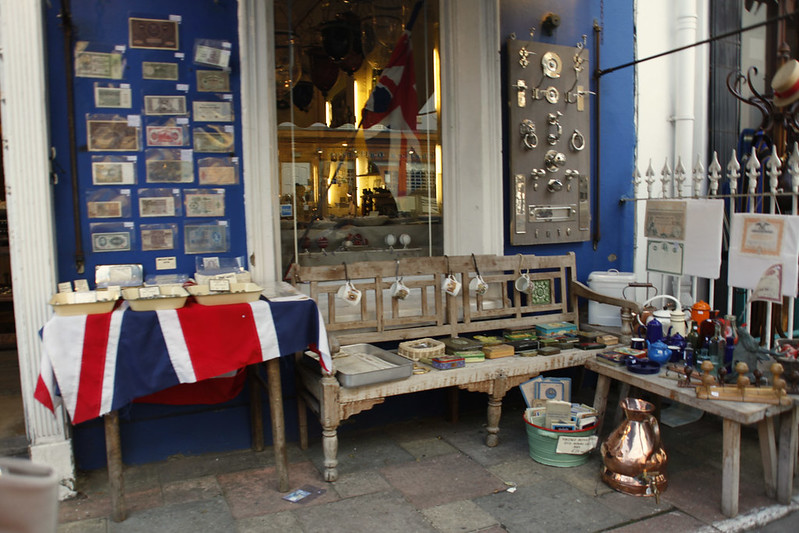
pixel 421 349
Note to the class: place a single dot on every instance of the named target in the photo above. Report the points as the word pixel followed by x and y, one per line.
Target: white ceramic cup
pixel 478 285
pixel 522 283
pixel 451 285
pixel 399 290
pixel 349 293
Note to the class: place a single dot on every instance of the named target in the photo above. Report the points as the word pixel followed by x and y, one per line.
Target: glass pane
pixel 358 130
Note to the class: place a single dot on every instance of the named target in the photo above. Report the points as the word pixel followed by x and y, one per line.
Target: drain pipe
pixel 684 105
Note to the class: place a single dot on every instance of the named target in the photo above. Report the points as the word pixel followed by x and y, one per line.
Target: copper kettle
pixel 634 461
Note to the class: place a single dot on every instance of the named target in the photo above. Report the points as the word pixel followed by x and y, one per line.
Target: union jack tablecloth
pixel 99 363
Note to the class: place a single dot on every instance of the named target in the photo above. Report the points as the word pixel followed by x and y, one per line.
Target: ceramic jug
pixel 634 461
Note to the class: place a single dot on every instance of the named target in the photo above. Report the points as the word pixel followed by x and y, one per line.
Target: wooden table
pixel 495 377
pixel 778 452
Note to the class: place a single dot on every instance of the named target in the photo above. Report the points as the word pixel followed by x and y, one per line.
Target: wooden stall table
pixel 777 452
pixel 99 363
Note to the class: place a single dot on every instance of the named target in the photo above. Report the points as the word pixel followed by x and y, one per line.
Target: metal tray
pixel 349 375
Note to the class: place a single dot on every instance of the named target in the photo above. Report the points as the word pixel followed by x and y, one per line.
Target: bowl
pixel 239 293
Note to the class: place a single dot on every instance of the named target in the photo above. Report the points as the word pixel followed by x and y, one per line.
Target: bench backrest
pixel 428 311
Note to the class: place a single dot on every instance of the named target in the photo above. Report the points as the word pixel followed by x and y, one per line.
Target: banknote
pixel 217 175
pixel 98 65
pixel 110 209
pixel 157 239
pixel 164 105
pixel 156 206
pixel 169 171
pixel 112 97
pixel 154 70
pixel 111 135
pixel 213 81
pixel 113 241
pixel 213 141
pixel 213 111
pixel 156 34
pixel 113 173
pixel 205 238
pixel 165 136
pixel 209 55
pixel 205 204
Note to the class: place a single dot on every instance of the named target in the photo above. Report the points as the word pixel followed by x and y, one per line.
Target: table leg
pixel 278 424
pixel 601 400
pixel 330 419
pixel 789 434
pixel 495 409
pixel 113 453
pixel 768 452
pixel 731 467
pixel 256 410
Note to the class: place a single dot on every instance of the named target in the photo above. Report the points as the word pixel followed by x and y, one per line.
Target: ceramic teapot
pixel 658 352
pixel 674 319
pixel 700 311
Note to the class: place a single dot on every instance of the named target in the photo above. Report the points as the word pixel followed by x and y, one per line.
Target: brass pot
pixel 634 461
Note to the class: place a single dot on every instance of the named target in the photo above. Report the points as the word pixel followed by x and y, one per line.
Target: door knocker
pixel 527 129
pixel 553 119
pixel 577 141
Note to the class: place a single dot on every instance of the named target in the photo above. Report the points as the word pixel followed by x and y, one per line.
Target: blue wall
pixel 617 135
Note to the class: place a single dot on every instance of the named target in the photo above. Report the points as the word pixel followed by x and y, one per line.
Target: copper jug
pixel 634 461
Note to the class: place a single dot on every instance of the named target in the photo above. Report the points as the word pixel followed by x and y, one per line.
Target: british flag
pixel 99 363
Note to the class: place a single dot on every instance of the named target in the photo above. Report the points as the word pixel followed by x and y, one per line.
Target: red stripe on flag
pixel 219 338
pixel 92 367
pixel 43 394
pixel 209 391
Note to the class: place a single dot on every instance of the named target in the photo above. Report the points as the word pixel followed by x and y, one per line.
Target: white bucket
pixel 609 283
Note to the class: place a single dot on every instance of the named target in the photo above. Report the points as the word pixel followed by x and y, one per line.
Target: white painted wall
pixel 666 129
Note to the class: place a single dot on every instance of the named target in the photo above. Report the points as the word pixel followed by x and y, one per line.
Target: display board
pixel 158 134
pixel 548 138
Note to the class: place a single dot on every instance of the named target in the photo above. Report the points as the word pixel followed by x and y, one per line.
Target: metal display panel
pixel 550 152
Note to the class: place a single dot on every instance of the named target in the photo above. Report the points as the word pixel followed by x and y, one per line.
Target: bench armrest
pixel 627 307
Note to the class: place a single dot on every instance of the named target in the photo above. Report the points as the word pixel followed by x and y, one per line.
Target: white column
pixel 259 138
pixel 471 127
pixel 30 218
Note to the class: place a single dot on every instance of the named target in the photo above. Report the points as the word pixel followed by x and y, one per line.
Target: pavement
pixel 430 475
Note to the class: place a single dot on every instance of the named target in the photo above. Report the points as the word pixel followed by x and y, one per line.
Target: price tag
pixel 81 285
pixel 120 48
pixel 134 121
pixel 133 158
pixel 65 286
pixel 180 55
pixel 166 263
pixel 186 155
pixel 184 87
pixel 124 85
pixel 576 445
pixel 182 120
pixel 149 292
pixel 175 18
pixel 219 285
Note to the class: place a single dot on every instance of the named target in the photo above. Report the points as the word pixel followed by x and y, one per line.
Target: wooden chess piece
pixel 743 380
pixel 778 383
pixel 707 378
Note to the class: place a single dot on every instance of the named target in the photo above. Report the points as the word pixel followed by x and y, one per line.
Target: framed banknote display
pixel 155 34
pixel 206 238
pixel 112 135
pixel 106 237
pixel 107 171
pixel 158 236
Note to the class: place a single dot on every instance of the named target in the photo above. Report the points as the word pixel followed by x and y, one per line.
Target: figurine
pixel 750 352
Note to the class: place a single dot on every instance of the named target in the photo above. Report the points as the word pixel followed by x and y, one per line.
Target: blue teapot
pixel 658 351
pixel 654 330
pixel 676 344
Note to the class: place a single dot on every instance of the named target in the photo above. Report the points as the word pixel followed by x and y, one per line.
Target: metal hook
pixel 474 259
pixel 396 272
pixel 521 262
pixel 346 274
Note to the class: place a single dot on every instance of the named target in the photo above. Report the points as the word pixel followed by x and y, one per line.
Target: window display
pixel 359 144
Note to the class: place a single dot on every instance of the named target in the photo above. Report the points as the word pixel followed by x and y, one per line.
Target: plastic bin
pixel 609 283
pixel 543 444
pixel 28 496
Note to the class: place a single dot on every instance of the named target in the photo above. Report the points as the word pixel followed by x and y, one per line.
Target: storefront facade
pixel 473 207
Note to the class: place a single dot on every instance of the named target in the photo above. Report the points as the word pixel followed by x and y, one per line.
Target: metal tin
pixel 461 344
pixel 400 368
pixel 446 362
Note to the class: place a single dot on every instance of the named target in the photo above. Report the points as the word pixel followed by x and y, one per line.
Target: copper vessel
pixel 634 462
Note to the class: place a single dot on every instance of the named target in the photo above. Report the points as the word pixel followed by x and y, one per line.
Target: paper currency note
pixel 112 97
pixel 154 70
pixel 164 105
pixel 153 33
pixel 169 171
pixel 111 135
pixel 205 238
pixel 98 65
pixel 165 136
pixel 205 205
pixel 156 206
pixel 213 111
pixel 157 239
pixel 208 55
pixel 217 175
pixel 111 209
pixel 113 173
pixel 115 241
pixel 213 141
pixel 213 81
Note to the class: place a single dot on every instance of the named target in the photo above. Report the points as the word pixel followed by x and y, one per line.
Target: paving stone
pixel 203 488
pixel 96 505
pixel 551 506
pixel 209 516
pixel 457 517
pixel 671 522
pixel 254 492
pixel 360 483
pixel 383 512
pixel 585 477
pixel 634 507
pixel 512 445
pixel 283 522
pixel 92 525
pixel 430 447
pixel 441 480
pixel 367 450
pixel 181 467
pixel 522 472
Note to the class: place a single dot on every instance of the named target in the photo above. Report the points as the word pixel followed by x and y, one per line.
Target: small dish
pixel 642 366
pixel 168 297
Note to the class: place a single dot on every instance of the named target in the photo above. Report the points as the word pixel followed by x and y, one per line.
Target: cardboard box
pixel 546 388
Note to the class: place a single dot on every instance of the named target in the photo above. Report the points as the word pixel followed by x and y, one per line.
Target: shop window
pixel 358 112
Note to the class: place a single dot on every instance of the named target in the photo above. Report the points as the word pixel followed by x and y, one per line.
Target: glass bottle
pixel 717 346
pixel 692 339
pixel 732 340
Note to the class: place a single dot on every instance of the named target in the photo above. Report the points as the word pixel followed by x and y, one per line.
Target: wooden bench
pixel 430 312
